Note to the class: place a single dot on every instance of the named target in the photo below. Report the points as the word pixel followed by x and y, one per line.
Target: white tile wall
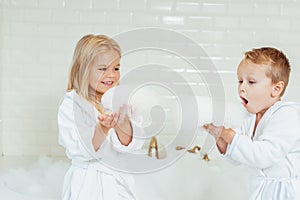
pixel 37 39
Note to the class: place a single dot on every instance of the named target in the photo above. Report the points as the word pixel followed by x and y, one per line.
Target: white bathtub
pixel 31 178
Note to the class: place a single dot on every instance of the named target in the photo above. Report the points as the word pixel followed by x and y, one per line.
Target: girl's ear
pixel 277 89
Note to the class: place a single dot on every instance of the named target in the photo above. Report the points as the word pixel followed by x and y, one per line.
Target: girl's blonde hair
pixel 87 49
pixel 279 64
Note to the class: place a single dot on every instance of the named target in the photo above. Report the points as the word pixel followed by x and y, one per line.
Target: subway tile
pixel 107 29
pixel 288 37
pixel 225 50
pixel 295 24
pixel 239 36
pixel 290 9
pixel 108 5
pixel 120 18
pixel 268 9
pixel 11 70
pixel 47 139
pixel 278 23
pixel 190 33
pixel 24 4
pixel 14 14
pixel 40 125
pixel 214 8
pixel 228 64
pixel 12 150
pixel 93 17
pixel 157 5
pixel 31 99
pixel 53 4
pixel 4 3
pixel 25 138
pixel 35 15
pixel 8 138
pixel 78 4
pixel 250 22
pixel 229 78
pixel 173 20
pixel 240 8
pixel 132 5
pixel 227 22
pixel 56 150
pixel 24 28
pixel 188 7
pixel 53 30
pixel 35 150
pixel 145 19
pixel 199 22
pixel 212 36
pixel 261 37
pixel 61 31
pixel 65 16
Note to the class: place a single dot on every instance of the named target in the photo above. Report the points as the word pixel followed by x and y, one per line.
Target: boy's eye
pixel 240 82
pixel 251 82
pixel 117 68
pixel 102 69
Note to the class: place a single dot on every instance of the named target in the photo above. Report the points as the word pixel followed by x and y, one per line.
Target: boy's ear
pixel 277 89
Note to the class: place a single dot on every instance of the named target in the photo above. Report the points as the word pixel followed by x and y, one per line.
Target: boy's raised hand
pixel 216 132
pixel 213 130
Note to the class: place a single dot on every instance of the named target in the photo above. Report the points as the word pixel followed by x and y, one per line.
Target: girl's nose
pixel 110 72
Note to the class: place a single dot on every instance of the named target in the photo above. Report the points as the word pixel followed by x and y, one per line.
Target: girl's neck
pixel 98 97
pixel 95 95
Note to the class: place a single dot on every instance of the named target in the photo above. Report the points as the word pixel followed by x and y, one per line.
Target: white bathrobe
pixel 273 154
pixel 89 178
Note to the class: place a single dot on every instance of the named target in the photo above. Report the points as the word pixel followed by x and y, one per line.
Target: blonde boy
pixel 269 140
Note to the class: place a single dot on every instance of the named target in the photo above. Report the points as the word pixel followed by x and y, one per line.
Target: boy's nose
pixel 241 87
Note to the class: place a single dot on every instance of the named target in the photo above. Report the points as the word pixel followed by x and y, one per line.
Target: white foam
pixel 188 178
pixel 43 179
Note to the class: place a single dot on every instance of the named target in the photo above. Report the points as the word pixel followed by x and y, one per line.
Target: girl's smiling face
pixel 105 72
pixel 254 87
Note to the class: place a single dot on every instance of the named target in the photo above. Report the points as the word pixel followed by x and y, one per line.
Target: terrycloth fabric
pixel 273 154
pixel 88 177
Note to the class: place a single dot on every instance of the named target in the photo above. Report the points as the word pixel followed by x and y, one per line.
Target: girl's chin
pixel 102 90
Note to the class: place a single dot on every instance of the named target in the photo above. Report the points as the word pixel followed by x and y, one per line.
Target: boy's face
pixel 105 72
pixel 254 87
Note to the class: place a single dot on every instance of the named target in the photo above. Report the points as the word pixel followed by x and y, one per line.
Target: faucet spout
pixel 153 145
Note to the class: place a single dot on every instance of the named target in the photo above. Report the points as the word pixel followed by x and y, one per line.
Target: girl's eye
pixel 102 69
pixel 117 69
pixel 240 82
pixel 251 82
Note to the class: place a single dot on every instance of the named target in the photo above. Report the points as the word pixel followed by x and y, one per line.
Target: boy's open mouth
pixel 244 101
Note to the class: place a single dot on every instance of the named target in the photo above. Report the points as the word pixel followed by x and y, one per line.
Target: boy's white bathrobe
pixel 274 153
pixel 88 178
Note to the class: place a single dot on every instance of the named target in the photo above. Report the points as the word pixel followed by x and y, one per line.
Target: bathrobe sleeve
pixel 77 119
pixel 274 140
pixel 136 143
pixel 76 129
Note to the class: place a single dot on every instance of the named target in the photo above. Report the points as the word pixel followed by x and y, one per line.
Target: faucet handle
pixel 194 150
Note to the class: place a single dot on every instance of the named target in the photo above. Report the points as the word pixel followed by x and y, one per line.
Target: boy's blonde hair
pixel 87 49
pixel 279 64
